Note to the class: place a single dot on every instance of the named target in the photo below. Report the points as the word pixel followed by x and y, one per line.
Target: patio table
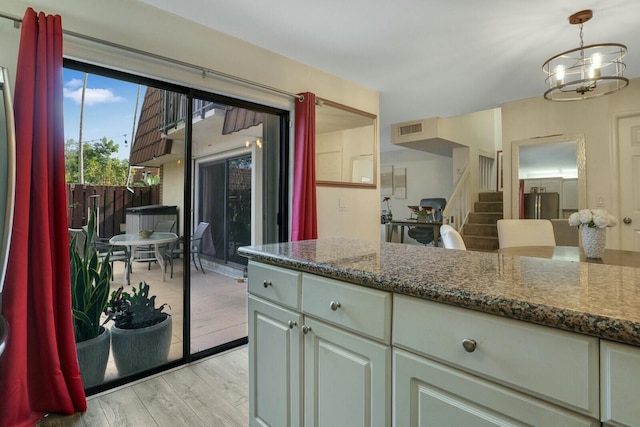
pixel 134 240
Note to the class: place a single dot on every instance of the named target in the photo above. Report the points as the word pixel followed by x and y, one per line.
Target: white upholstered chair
pixel 451 239
pixel 525 232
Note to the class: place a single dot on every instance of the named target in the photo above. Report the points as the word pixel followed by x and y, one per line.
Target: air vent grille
pixel 409 129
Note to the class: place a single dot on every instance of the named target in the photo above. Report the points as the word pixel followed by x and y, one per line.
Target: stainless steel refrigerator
pixel 542 205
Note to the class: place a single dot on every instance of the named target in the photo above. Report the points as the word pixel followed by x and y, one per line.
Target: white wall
pixel 536 117
pixel 428 175
pixel 146 28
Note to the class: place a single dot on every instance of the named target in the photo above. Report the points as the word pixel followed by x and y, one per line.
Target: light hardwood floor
pixel 211 392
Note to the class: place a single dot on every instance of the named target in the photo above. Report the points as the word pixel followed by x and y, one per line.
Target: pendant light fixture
pixel 585 72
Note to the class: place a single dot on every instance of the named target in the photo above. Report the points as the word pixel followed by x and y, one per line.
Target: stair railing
pixel 457 209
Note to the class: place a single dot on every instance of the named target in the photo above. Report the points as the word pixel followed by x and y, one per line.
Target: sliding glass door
pixel 236 193
pixel 225 203
pixel 212 168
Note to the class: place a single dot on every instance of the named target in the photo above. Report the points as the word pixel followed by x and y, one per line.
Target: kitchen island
pixel 426 296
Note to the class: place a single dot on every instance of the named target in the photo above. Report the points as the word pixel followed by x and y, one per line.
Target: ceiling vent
pixel 409 129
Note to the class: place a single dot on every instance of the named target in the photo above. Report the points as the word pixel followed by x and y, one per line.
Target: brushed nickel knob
pixel 266 283
pixel 292 324
pixel 306 329
pixel 469 345
pixel 626 220
pixel 334 305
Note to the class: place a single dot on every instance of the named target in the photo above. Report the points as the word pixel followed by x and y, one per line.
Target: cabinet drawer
pixel 275 284
pixel 620 379
pixel 557 366
pixel 358 308
pixel 428 393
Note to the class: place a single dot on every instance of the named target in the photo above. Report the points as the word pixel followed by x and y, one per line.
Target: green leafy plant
pixel 134 310
pixel 90 277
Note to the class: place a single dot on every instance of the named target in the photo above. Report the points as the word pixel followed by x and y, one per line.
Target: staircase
pixel 480 232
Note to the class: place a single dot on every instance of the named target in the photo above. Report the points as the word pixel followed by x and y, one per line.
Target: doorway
pixel 225 203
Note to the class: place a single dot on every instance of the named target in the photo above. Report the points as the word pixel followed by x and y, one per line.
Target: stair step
pixel 484 217
pixel 487 207
pixel 490 196
pixel 480 243
pixel 481 230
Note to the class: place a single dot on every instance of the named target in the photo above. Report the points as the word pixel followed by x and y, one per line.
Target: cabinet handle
pixel 306 329
pixel 292 323
pixel 469 345
pixel 266 283
pixel 334 305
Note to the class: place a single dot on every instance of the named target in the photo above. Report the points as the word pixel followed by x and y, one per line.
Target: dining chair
pixel 565 234
pixel 196 243
pixel 451 239
pixel 525 232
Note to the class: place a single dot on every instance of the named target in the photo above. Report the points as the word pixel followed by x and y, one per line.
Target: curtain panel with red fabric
pixel 39 371
pixel 305 216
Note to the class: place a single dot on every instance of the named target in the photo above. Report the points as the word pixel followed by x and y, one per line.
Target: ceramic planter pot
pixel 136 350
pixel 93 356
pixel 593 241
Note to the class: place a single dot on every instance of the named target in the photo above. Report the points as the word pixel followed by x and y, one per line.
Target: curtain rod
pixel 205 71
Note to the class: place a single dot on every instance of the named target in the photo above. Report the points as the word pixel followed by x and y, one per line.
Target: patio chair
pixel 196 243
pixel 103 247
pixel 147 253
pixel 172 251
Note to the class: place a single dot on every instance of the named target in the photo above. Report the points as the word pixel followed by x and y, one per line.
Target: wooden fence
pixel 110 201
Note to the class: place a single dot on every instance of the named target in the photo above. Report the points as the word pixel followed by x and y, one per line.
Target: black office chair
pixel 424 235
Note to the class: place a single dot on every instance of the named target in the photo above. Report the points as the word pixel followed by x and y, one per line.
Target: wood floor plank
pixel 215 374
pixel 95 416
pixel 165 405
pixel 213 408
pixel 124 408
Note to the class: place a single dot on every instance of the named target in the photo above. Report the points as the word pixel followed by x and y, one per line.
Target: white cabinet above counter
pixel 534 352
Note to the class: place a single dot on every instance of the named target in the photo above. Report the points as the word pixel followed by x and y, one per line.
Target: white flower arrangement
pixel 592 218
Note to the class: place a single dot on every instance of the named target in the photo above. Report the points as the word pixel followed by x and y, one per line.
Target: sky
pixel 108 111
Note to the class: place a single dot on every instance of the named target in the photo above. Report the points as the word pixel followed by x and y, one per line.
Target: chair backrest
pixel 165 226
pixel 198 234
pixel 565 234
pixel 80 234
pixel 451 239
pixel 437 204
pixel 525 232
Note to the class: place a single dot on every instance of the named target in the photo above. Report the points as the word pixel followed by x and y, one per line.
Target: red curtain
pixel 305 216
pixel 39 370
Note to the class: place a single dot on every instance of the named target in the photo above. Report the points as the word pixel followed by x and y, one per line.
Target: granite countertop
pixel 593 299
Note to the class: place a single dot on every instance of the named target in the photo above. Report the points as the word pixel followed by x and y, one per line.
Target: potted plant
pixel 90 281
pixel 141 332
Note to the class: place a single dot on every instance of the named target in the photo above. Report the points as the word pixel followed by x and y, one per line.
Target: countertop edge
pixel 599 326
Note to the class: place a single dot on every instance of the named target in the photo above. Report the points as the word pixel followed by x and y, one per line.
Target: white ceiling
pixel 426 58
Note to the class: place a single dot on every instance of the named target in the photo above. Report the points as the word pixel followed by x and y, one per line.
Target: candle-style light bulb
pixel 559 72
pixel 596 64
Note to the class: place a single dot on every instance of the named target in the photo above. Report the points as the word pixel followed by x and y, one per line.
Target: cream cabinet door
pixel 620 384
pixel 275 365
pixel 347 378
pixel 426 393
